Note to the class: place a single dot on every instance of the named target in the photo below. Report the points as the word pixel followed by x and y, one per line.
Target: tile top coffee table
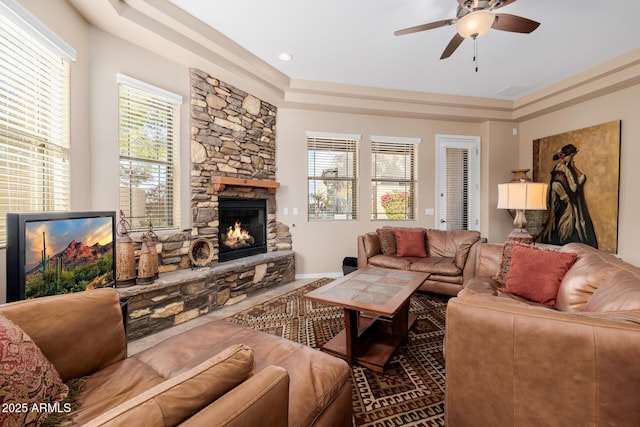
pixel 376 313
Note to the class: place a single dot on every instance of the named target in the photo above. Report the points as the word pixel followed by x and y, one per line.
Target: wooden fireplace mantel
pixel 219 183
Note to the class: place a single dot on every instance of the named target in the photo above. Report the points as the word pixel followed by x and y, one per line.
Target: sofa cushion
pixel 387 241
pixel 316 379
pixel 437 266
pixel 444 243
pixel 410 243
pixel 621 291
pixel 26 378
pixel 386 261
pixel 175 399
pixel 536 275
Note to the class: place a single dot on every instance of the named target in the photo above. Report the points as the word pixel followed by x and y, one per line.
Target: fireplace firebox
pixel 243 228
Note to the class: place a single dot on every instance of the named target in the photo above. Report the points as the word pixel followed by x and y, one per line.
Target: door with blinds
pixel 458 182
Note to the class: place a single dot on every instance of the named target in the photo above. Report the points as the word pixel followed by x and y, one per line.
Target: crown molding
pixel 165 29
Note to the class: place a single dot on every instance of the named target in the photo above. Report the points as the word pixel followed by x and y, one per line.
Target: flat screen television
pixel 59 252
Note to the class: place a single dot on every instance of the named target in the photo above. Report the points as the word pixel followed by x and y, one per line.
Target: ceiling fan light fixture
pixel 475 24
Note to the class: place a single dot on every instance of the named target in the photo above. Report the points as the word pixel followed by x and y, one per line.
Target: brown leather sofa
pixel 450 258
pixel 219 373
pixel 511 362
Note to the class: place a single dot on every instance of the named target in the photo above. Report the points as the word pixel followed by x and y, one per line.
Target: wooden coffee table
pixel 376 313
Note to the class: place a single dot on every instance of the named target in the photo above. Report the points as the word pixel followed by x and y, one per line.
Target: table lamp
pixel 522 196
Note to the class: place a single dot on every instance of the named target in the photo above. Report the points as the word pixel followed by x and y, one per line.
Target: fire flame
pixel 236 232
pixel 237 236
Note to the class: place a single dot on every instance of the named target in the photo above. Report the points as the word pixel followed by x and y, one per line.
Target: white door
pixel 458 182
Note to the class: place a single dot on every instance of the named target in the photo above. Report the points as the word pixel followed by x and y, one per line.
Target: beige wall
pixel 321 246
pixel 623 105
pixel 499 158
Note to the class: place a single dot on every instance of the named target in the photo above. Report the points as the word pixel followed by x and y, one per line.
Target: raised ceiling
pixel 352 42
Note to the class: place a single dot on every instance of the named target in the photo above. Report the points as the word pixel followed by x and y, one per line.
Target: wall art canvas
pixel 582 168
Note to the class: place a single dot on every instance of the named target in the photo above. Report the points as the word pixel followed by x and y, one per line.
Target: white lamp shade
pixel 475 23
pixel 523 195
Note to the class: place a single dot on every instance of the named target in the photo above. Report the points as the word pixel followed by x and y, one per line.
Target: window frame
pixel 130 91
pixel 334 142
pixel 381 145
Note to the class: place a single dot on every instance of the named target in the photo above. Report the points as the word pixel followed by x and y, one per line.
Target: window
pixel 149 135
pixel 332 170
pixel 34 116
pixel 393 178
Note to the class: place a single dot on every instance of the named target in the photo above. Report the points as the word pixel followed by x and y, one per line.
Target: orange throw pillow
pixel 536 275
pixel 411 243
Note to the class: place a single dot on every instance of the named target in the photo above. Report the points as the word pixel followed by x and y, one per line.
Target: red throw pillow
pixel 536 275
pixel 410 243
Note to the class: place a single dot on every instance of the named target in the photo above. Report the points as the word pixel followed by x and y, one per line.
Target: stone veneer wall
pixel 232 135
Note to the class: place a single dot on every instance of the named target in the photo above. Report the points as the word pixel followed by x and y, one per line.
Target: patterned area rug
pixel 411 390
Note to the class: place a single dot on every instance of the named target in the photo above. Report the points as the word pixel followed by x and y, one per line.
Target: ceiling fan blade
pixel 513 23
pixel 424 27
pixel 452 46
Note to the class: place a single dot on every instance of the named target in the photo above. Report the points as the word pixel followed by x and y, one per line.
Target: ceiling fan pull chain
pixel 475 52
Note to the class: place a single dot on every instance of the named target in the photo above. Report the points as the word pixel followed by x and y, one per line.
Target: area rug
pixel 411 390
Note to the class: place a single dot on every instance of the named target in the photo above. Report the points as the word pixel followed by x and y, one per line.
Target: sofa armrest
pixel 511 365
pixel 469 269
pixel 368 246
pixel 80 333
pixel 263 399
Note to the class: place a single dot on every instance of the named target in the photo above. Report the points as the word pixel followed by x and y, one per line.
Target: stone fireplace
pixel 232 168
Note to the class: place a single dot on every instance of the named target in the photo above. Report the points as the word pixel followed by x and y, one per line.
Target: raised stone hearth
pixel 186 294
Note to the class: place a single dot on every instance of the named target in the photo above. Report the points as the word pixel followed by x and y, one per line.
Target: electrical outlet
pixel 285 211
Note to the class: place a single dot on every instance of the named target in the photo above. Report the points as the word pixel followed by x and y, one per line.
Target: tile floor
pixel 254 298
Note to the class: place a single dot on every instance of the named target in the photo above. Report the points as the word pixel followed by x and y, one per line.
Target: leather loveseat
pixel 219 373
pixel 514 362
pixel 448 256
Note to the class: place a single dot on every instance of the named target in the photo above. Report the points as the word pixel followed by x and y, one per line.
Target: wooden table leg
pixel 400 323
pixel 351 329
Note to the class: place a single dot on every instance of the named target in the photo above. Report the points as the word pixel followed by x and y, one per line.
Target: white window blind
pixel 393 179
pixel 34 116
pixel 457 188
pixel 149 141
pixel 332 170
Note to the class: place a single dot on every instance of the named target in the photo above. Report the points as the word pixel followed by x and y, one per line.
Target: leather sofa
pixel 449 257
pixel 513 362
pixel 219 373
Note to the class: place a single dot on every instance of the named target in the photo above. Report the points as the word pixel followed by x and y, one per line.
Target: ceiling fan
pixel 473 19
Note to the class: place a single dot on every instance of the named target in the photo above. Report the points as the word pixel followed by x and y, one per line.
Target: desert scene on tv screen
pixel 67 255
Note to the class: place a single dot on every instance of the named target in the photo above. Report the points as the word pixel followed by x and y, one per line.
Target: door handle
pixel 442 221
